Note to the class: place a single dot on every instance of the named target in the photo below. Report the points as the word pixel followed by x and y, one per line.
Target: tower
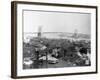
pixel 75 34
pixel 39 31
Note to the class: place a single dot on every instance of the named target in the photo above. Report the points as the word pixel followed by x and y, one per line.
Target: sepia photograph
pixel 56 39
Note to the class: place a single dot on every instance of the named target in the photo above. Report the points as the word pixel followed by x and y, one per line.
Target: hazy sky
pixel 57 22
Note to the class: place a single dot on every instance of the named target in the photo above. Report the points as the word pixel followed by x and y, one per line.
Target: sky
pixel 56 21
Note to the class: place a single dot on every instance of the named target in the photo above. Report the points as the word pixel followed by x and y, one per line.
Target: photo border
pixel 14 37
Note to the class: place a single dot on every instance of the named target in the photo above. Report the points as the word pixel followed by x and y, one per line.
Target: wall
pixel 5 40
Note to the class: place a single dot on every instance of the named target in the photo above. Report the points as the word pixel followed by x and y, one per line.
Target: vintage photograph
pixel 51 39
pixel 56 39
